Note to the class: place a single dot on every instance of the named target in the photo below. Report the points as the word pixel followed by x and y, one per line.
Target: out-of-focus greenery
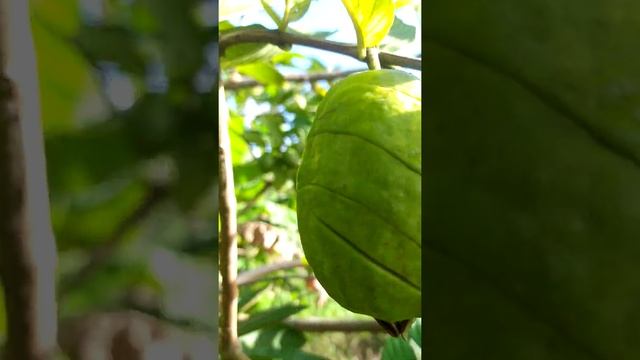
pixel 268 127
pixel 130 126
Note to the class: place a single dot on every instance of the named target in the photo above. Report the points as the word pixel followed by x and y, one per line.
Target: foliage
pixel 269 125
pixel 130 126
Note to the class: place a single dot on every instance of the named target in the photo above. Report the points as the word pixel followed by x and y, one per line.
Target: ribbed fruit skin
pixel 359 194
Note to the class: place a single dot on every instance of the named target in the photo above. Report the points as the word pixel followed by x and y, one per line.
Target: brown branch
pixel 229 344
pixel 254 275
pixel 282 39
pixel 323 325
pixel 27 246
pixel 101 254
pixel 246 83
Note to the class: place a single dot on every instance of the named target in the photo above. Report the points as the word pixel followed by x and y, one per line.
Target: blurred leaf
pixel 239 147
pixel 65 78
pixel 264 73
pixel 87 157
pixel 402 31
pixel 270 317
pixel 114 44
pixel 401 35
pixel 63 15
pixel 372 20
pixel 298 9
pixel 292 340
pixel 91 217
pixel 180 38
pixel 247 53
pixel 197 170
pixel 106 287
pixel 415 332
pixel 285 58
pixel 546 281
pixel 151 124
pixel 249 292
pixel 280 342
pixel 397 349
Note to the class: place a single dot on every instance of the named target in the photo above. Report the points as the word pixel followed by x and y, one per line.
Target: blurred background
pixel 129 116
pixel 129 112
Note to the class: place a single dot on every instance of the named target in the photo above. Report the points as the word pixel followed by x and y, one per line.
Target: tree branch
pixel 230 347
pixel 27 245
pixel 278 38
pixel 323 325
pixel 254 275
pixel 246 83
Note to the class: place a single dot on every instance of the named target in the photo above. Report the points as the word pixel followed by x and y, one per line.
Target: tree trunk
pixel 27 245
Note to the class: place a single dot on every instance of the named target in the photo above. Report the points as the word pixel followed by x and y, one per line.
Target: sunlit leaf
pixel 400 35
pixel 246 53
pixel 264 73
pixel 298 9
pixel 397 349
pixel 372 20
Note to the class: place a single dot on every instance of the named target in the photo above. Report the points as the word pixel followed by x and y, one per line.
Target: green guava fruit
pixel 359 191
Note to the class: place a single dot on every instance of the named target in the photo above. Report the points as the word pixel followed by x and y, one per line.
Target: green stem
pixel 373 58
pixel 285 16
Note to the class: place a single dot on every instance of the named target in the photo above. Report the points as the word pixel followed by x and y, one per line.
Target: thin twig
pixel 254 275
pixel 230 347
pixel 324 325
pixel 278 38
pixel 295 78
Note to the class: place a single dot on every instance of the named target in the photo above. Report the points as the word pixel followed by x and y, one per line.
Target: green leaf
pixel 264 73
pixel 111 43
pixel 179 37
pixel 247 53
pixel 397 349
pixel 249 292
pixel 415 333
pixel 533 151
pixel 401 34
pixel 298 9
pixel 267 318
pixel 293 10
pixel 372 20
pixel 239 147
pixel 402 31
pixel 63 90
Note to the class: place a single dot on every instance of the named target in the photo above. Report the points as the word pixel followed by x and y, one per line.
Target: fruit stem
pixel 373 58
